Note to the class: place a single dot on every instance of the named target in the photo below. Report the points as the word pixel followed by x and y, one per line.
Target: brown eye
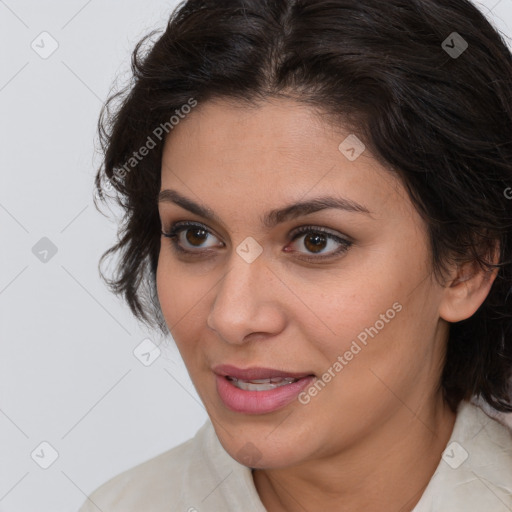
pixel 186 237
pixel 318 241
pixel 315 242
pixel 196 236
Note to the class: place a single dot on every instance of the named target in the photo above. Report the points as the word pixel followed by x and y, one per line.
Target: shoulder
pixel 475 471
pixel 155 484
pixel 196 475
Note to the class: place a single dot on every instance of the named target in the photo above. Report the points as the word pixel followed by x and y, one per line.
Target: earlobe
pixel 466 292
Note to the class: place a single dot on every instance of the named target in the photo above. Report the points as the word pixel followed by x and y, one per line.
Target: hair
pixel 440 121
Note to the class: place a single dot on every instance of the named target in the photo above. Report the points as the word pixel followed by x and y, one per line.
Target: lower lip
pixel 259 402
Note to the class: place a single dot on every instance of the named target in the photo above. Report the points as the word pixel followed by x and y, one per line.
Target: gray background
pixel 69 375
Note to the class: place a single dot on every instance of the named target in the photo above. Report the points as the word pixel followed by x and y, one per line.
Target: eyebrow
pixel 273 217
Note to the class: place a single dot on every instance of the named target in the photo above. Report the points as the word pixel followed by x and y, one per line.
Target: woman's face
pixel 348 307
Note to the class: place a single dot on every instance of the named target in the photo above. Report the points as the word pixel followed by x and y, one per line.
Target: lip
pixel 258 402
pixel 226 370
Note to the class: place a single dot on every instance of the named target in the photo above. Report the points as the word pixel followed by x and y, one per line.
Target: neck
pixel 388 470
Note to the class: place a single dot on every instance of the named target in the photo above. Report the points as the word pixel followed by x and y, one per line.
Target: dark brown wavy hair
pixel 430 109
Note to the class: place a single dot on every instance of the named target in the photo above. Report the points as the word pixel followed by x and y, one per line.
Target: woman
pixel 317 209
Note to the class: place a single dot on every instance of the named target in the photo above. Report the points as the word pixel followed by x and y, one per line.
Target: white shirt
pixel 473 475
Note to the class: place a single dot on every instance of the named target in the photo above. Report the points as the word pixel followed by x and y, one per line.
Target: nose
pixel 247 302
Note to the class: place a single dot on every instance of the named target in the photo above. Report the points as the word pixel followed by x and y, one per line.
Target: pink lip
pixel 255 372
pixel 258 402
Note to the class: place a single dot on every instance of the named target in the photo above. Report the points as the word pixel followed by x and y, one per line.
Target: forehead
pixel 228 129
pixel 264 153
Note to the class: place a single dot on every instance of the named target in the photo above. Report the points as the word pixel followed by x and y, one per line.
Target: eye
pixel 187 235
pixel 189 238
pixel 317 239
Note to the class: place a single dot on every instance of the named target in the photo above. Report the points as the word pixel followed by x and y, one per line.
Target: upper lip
pixel 255 373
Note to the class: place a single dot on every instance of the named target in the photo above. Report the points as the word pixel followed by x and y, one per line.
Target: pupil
pixel 317 240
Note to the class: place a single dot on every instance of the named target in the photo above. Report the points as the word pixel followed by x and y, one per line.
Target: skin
pixel 373 437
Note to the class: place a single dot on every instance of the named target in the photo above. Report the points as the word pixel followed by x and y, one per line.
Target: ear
pixel 467 289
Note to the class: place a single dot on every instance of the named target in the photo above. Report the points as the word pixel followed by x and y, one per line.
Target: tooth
pixel 248 386
pixel 273 380
pixel 266 386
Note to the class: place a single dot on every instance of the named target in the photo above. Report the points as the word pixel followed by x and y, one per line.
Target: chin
pixel 254 447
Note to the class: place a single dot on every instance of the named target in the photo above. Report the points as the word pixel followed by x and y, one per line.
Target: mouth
pixel 261 384
pixel 258 390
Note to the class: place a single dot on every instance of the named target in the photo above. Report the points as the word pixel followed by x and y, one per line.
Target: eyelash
pixel 177 228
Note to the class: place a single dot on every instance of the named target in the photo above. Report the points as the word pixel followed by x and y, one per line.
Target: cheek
pixel 166 284
pixel 374 314
pixel 339 309
pixel 185 298
pixel 365 332
pixel 179 298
